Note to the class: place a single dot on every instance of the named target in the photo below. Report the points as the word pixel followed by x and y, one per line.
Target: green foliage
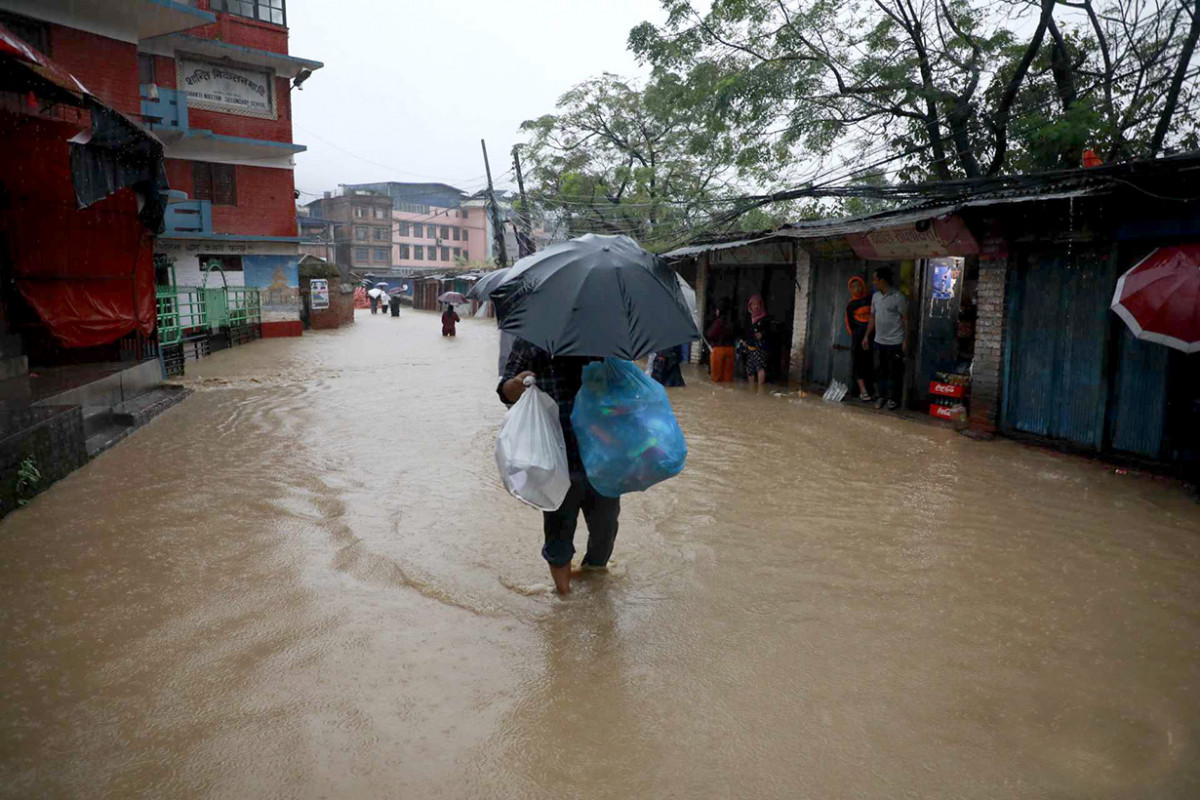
pixel 929 89
pixel 751 96
pixel 29 477
pixel 619 158
pixel 315 269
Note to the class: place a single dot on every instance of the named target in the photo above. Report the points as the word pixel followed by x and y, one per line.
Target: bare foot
pixel 562 578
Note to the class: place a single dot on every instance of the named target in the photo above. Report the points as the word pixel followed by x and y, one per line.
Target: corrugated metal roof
pixel 684 252
pixel 830 228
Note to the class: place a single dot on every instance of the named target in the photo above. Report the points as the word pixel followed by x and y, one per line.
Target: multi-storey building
pixel 362 228
pixel 430 227
pixel 220 98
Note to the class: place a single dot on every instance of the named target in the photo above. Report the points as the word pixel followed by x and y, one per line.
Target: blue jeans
pixel 599 512
pixel 889 370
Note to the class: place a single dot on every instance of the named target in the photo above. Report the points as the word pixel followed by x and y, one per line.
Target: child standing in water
pixel 449 319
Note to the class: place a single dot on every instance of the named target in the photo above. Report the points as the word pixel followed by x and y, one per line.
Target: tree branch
pixel 1004 108
pixel 1181 68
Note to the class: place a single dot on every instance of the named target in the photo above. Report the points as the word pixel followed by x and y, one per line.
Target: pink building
pixel 440 236
pixel 431 228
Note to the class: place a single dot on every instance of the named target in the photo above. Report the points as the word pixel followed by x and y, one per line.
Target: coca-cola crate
pixel 948 412
pixel 947 389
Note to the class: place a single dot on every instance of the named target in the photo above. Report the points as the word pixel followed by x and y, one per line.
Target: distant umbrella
pixel 484 286
pixel 454 298
pixel 377 293
pixel 595 296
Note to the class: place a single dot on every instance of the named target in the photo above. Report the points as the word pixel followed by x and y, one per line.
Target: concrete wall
pixel 186 254
pixel 53 437
pixel 800 314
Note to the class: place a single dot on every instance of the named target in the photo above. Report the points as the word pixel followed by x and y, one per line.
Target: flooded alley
pixel 306 581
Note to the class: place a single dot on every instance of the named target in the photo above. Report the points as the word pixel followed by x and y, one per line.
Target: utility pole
pixel 525 232
pixel 497 226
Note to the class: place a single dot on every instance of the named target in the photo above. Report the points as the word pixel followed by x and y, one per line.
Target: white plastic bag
pixel 531 452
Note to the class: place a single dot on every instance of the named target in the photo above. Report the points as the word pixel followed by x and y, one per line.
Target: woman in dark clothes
pixel 449 319
pixel 665 368
pixel 757 344
pixel 858 315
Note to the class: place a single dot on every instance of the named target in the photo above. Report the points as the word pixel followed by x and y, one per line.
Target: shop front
pixel 734 275
pixel 934 263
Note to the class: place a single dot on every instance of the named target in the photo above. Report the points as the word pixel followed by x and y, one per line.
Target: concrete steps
pixel 105 426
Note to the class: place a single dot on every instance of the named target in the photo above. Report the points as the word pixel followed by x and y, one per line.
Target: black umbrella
pixel 594 296
pixel 484 286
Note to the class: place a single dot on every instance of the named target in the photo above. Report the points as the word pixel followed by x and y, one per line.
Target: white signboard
pixel 319 289
pixel 232 89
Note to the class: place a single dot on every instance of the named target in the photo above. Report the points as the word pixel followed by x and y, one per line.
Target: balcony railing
pixel 188 216
pixel 168 111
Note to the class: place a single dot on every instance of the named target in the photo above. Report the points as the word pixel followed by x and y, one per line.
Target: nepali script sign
pixel 221 87
pixel 946 236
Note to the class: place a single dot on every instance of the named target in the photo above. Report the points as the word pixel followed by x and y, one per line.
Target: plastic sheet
pixel 531 452
pixel 628 437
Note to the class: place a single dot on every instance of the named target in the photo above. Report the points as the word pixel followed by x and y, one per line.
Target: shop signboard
pixel 319 288
pixel 928 238
pixel 233 89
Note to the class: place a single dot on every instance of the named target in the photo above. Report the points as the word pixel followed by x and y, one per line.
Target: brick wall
pixel 800 314
pixel 244 31
pixel 987 371
pixel 266 199
pixel 340 311
pixel 106 67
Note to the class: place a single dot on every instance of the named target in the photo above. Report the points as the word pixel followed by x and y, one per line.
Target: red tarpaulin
pixel 88 273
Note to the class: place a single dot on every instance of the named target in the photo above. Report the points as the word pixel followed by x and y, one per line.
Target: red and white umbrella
pixel 1159 298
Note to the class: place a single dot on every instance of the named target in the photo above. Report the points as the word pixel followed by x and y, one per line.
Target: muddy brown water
pixel 306 582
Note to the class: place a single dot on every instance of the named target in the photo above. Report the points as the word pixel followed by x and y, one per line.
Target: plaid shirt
pixel 561 378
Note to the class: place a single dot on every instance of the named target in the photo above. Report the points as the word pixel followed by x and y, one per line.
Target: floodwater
pixel 306 582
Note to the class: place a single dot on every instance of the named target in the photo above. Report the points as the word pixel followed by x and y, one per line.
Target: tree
pixel 617 158
pixel 934 89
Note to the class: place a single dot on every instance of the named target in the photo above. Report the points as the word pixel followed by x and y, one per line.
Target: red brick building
pixel 219 96
pixel 212 79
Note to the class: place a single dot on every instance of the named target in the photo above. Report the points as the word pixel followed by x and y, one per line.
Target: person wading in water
pixel 449 319
pixel 561 378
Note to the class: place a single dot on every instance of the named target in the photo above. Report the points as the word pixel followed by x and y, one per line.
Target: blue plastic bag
pixel 628 437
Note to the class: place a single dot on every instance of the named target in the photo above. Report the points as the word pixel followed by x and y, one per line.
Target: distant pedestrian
pixel 720 338
pixel 374 301
pixel 888 330
pixel 449 319
pixel 858 319
pixel 394 304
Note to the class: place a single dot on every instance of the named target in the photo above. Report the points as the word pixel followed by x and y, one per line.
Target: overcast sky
pixel 413 86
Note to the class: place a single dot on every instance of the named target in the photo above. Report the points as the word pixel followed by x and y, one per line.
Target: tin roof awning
pixel 694 250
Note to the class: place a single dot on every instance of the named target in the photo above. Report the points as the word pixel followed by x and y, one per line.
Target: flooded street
pixel 306 581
